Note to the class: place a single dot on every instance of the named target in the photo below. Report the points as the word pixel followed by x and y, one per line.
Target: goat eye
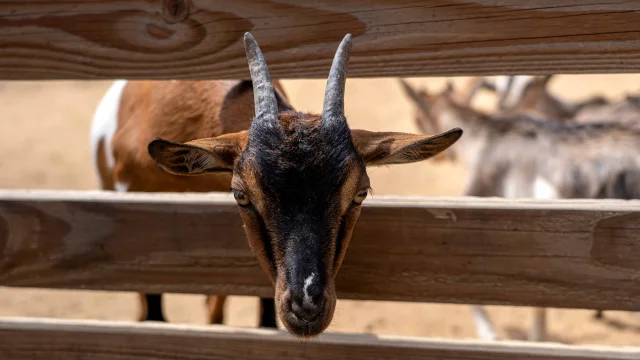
pixel 359 198
pixel 241 198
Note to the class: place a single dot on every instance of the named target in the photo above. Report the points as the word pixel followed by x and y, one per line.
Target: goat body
pixel 133 113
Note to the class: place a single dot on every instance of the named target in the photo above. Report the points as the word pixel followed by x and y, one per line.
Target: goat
pixel 529 94
pixel 132 113
pixel 519 155
pixel 299 179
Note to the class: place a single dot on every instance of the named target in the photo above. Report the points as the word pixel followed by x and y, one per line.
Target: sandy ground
pixel 44 140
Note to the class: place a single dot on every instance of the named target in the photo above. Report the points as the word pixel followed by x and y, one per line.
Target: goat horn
pixel 264 97
pixel 333 106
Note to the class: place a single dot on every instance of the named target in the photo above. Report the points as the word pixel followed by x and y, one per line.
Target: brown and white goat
pixel 133 113
pixel 299 179
pixel 520 156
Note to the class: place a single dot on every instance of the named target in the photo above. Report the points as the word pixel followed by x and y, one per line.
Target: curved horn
pixel 264 97
pixel 333 106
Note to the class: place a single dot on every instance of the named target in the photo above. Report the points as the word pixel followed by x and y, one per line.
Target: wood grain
pixel 572 253
pixel 35 339
pixel 188 39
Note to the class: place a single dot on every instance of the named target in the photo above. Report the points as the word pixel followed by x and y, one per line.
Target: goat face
pixel 299 180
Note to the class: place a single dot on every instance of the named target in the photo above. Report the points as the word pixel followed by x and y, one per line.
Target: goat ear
pixel 199 156
pixel 386 148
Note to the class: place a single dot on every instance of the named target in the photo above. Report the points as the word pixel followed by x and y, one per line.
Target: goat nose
pixel 305 309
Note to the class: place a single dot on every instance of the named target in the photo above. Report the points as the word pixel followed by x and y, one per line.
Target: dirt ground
pixel 44 140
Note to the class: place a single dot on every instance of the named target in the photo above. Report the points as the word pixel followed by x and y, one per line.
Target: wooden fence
pixel 460 250
pixel 188 39
pixel 36 339
pixel 578 254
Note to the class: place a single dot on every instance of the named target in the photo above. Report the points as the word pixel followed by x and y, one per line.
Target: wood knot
pixel 175 11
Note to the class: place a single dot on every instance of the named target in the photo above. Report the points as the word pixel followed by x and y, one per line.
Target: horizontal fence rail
pixel 189 39
pixel 577 254
pixel 35 339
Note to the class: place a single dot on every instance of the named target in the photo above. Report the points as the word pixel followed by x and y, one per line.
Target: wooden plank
pixel 187 39
pixel 34 339
pixel 572 253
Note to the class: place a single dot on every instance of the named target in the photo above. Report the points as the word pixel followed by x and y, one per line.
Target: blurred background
pixel 44 142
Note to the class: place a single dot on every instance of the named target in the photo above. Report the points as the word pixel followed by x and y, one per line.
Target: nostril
pixel 305 311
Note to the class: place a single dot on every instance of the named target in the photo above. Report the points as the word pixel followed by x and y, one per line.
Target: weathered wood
pixel 578 254
pixel 202 38
pixel 34 339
